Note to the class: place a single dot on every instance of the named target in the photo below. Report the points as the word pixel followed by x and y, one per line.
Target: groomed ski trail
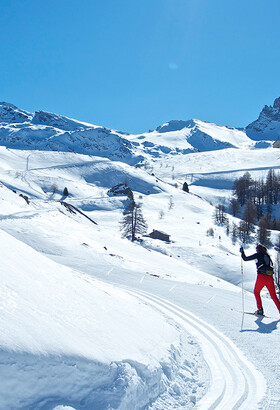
pixel 234 382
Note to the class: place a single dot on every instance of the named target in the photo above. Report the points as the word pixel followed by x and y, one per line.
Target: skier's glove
pixel 241 250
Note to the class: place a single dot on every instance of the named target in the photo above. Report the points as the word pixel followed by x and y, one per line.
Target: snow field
pixel 73 338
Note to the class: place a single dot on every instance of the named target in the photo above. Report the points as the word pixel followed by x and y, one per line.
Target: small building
pixel 159 235
pixel 276 144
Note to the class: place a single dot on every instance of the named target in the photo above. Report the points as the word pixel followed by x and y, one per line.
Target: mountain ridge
pixel 43 130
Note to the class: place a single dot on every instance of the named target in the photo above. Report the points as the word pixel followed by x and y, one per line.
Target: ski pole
pixel 242 284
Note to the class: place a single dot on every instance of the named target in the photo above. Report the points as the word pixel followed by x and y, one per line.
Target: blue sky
pixel 133 65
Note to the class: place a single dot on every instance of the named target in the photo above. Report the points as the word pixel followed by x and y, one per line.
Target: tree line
pixel 252 202
pixel 262 192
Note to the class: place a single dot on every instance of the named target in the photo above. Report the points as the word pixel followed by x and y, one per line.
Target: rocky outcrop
pixel 267 126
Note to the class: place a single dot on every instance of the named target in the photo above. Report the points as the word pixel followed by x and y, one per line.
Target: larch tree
pixel 133 221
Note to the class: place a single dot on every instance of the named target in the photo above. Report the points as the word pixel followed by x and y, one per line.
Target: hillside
pixel 92 320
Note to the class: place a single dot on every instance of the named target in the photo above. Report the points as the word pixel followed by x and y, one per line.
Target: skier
pixel 264 276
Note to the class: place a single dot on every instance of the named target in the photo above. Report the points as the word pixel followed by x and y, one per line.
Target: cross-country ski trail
pixel 234 382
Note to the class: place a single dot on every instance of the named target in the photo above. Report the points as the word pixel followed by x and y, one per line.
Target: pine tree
pixel 242 188
pixel 185 187
pixel 133 222
pixel 220 217
pixel 263 234
pixel 272 187
pixel 243 233
pixel 249 217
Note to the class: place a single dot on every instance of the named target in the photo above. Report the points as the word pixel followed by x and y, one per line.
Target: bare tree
pixel 249 217
pixel 234 207
pixel 210 232
pixel 171 203
pixel 54 188
pixel 242 187
pixel 220 217
pixel 161 214
pixel 234 232
pixel 243 233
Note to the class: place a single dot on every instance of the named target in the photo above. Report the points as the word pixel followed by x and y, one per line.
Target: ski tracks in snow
pixel 234 381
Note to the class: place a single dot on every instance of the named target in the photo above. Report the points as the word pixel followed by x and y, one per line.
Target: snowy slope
pixel 212 174
pixel 64 327
pixel 112 347
pixel 91 320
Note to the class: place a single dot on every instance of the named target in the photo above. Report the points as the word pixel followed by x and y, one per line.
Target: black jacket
pixel 263 261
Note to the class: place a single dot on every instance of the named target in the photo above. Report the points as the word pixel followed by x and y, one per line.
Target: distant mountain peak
pixel 267 126
pixel 277 103
pixel 175 125
pixel 58 121
pixel 4 103
pixel 11 114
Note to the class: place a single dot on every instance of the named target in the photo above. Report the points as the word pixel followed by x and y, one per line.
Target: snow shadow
pixel 42 382
pixel 30 381
pixel 263 327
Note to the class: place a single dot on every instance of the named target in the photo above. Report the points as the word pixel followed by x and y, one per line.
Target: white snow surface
pixel 90 320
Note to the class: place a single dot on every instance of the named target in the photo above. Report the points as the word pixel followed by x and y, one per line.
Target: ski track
pixel 234 381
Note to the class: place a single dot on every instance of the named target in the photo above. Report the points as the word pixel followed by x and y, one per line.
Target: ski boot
pixel 259 312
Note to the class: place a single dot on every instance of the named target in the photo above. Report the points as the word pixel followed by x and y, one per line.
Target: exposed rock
pixel 267 126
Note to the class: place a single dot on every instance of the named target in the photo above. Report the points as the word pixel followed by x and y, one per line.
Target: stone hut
pixel 159 235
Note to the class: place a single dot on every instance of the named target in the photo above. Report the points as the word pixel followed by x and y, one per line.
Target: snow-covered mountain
pixel 184 137
pixel 9 113
pixel 267 126
pixel 46 131
pixel 90 320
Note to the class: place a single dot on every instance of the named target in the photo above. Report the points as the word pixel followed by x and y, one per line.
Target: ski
pixel 261 316
pixel 254 314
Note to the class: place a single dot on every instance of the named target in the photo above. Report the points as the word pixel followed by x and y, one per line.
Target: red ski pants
pixel 265 280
